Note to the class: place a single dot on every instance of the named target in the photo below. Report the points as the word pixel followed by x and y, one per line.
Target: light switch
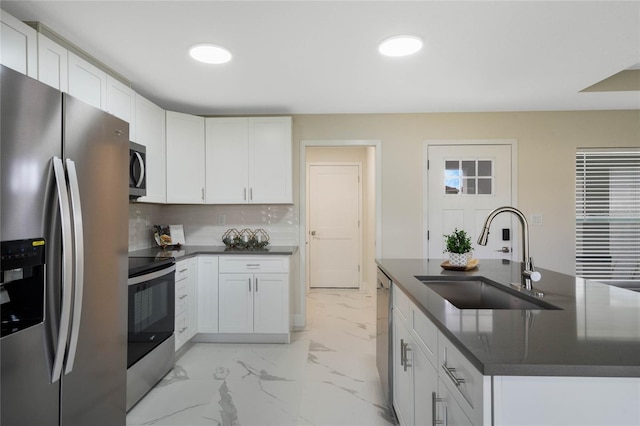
pixel 222 219
pixel 536 219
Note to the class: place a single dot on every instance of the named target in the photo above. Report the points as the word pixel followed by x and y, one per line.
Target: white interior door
pixel 334 226
pixel 466 182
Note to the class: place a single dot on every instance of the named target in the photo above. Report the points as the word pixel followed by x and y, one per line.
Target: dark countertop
pixel 597 332
pixel 190 251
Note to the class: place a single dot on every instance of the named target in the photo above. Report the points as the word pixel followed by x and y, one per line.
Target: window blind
pixel 608 215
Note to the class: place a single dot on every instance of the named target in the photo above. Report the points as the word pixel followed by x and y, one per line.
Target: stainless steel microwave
pixel 137 170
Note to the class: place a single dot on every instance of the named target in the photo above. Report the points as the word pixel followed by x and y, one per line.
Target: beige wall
pixel 546 147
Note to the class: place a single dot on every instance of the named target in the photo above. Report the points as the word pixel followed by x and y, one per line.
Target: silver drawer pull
pixel 183 296
pixel 182 330
pixel 450 372
pixel 183 270
pixel 434 415
pixel 252 265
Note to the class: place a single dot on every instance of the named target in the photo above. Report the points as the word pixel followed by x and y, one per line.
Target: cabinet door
pixel 185 158
pixel 53 64
pixel 121 102
pixel 192 290
pixel 271 303
pixel 150 126
pixel 402 372
pixel 18 45
pixel 87 82
pixel 227 160
pixel 270 177
pixel 207 294
pixel 236 303
pixel 450 411
pixel 425 385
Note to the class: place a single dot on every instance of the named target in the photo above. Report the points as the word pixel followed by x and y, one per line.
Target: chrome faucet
pixel 528 270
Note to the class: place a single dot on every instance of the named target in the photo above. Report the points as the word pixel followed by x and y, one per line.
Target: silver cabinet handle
pixel 313 232
pixel 250 194
pixel 434 415
pixel 402 352
pixel 183 270
pixel 249 285
pixel 182 330
pixel 406 358
pixel 67 265
pixel 182 297
pixel 450 372
pixel 244 194
pixel 78 258
pixel 202 191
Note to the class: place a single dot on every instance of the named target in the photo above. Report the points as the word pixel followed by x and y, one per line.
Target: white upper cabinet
pixel 87 82
pixel 227 166
pixel 185 158
pixel 121 102
pixel 270 177
pixel 53 64
pixel 18 45
pixel 150 132
pixel 249 160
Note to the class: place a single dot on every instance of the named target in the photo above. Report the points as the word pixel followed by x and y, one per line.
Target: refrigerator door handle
pixel 78 259
pixel 67 265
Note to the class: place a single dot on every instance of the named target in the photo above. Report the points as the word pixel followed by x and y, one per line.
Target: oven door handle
pixel 151 276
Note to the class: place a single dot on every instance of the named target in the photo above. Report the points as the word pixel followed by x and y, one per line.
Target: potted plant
pixel 458 245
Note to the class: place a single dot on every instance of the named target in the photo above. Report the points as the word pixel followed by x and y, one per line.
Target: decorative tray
pixel 473 263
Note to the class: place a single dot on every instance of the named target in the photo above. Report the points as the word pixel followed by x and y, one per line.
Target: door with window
pixel 464 183
pixel 335 198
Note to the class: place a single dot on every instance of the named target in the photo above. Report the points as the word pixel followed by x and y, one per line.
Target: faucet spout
pixel 528 271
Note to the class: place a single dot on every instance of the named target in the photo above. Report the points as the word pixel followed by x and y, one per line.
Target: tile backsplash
pixel 205 225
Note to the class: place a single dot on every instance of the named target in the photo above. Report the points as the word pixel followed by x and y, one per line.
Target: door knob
pixel 313 232
pixel 504 250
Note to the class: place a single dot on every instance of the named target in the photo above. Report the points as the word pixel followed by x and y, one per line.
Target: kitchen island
pixel 530 364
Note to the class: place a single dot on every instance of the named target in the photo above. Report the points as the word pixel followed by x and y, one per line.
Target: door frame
pixel 513 143
pixel 301 319
pixel 360 219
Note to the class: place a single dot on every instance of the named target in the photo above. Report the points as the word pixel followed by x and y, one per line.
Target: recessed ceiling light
pixel 210 54
pixel 402 45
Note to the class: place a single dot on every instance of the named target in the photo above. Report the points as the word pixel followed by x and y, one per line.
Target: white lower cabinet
pixel 186 301
pixel 207 294
pixel 254 294
pixel 423 392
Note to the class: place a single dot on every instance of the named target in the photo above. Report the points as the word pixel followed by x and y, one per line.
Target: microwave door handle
pixel 67 265
pixel 78 258
pixel 142 170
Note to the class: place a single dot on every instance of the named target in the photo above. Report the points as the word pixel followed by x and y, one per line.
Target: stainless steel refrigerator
pixel 64 233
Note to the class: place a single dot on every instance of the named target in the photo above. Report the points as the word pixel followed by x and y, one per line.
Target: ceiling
pixel 318 57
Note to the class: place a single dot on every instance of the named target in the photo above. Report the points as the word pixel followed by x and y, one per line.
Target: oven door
pixel 151 312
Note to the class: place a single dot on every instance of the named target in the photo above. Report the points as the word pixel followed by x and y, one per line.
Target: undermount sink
pixel 478 294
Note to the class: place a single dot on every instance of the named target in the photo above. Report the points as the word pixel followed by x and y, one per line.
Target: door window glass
pixel 468 177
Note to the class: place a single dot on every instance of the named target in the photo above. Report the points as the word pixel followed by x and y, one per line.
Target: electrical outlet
pixel 222 219
pixel 536 219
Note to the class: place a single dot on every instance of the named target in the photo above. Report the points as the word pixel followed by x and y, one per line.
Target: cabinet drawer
pixel 401 302
pixel 181 297
pixel 243 264
pixel 425 334
pixel 463 380
pixel 182 270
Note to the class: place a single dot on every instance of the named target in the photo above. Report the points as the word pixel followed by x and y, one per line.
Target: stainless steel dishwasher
pixel 383 336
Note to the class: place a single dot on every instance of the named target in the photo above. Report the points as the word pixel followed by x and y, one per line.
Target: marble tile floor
pixel 326 376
